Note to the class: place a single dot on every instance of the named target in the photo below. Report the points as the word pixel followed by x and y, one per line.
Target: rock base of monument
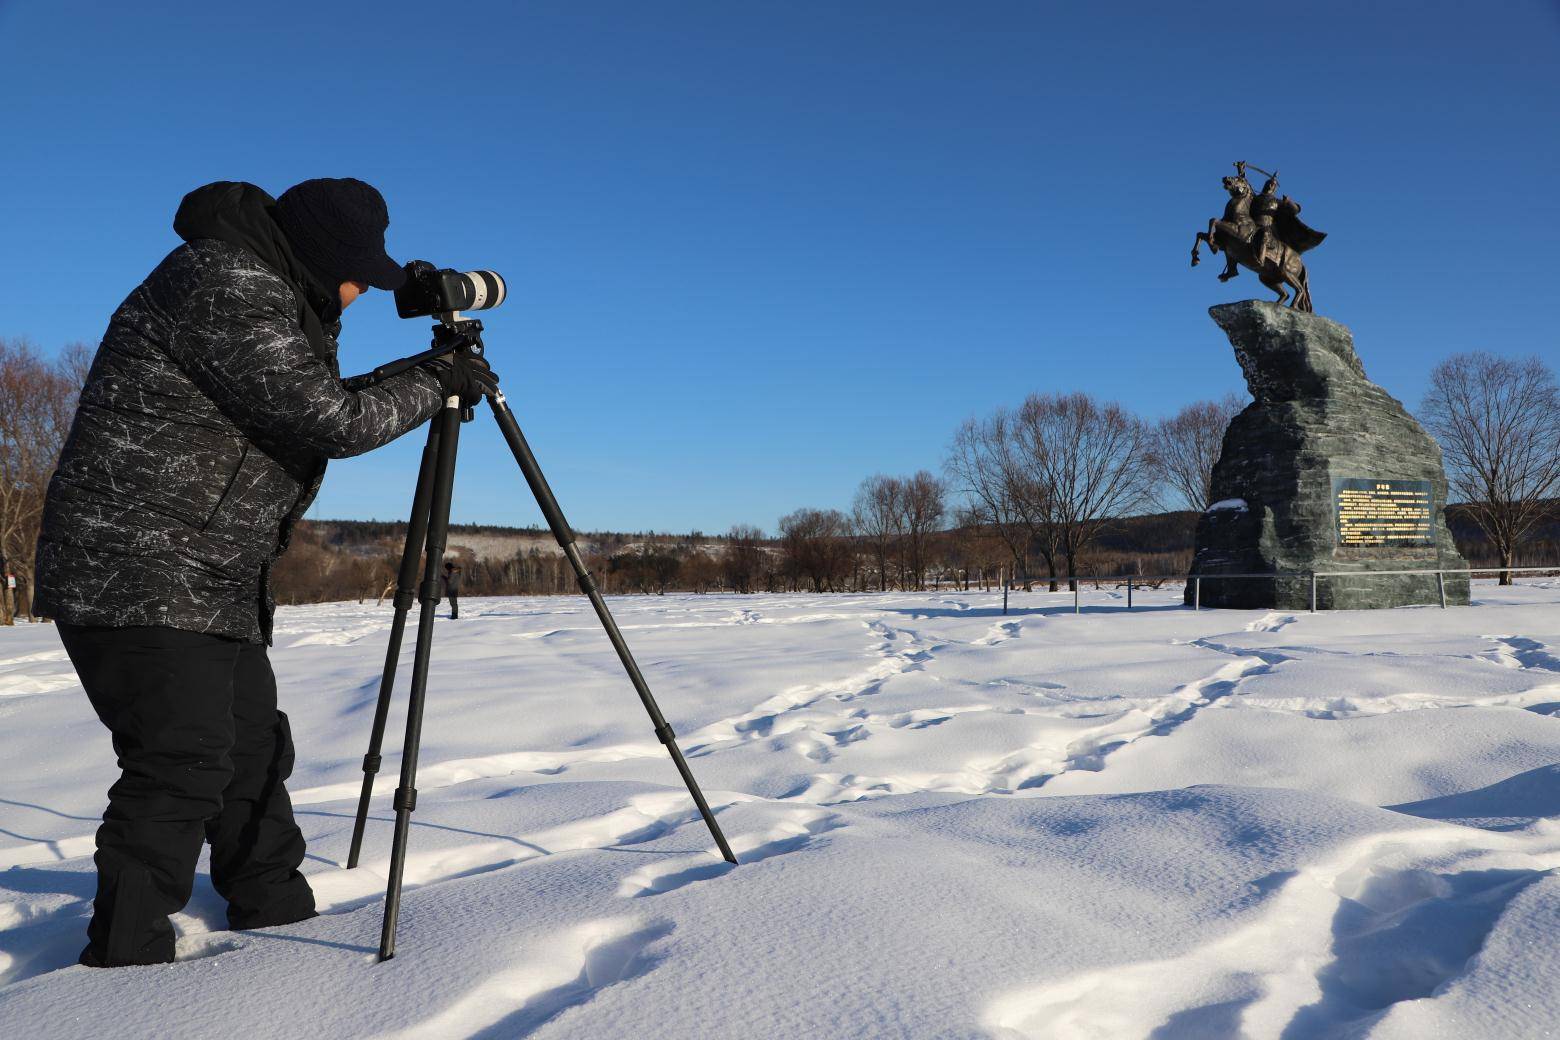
pixel 1323 472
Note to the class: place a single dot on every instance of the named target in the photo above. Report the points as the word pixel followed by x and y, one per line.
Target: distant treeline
pixel 1058 487
pixel 1540 548
pixel 357 559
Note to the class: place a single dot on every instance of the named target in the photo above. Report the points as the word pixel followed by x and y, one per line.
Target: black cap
pixel 336 225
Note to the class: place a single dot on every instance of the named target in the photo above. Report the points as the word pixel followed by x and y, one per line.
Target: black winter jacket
pixel 203 430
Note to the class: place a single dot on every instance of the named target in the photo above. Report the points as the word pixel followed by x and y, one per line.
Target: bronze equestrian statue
pixel 1264 233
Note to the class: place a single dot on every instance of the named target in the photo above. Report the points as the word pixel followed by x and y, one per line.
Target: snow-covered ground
pixel 1157 824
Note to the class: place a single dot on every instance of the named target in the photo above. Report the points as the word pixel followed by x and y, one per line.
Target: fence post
pixel 1197 592
pixel 1440 586
pixel 1129 593
pixel 1002 577
pixel 1313 592
pixel 1077 592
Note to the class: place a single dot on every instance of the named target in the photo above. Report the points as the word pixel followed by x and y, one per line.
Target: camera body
pixel 433 290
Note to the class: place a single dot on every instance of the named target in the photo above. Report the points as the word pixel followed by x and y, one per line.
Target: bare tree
pixel 1093 460
pixel 700 571
pixel 1000 497
pixel 875 514
pixel 962 547
pixel 742 562
pixel 921 509
pixel 979 546
pixel 816 544
pixel 1498 421
pixel 37 403
pixel 1004 493
pixel 1187 445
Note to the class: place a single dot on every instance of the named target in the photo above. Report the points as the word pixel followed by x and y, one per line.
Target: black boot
pixel 126 928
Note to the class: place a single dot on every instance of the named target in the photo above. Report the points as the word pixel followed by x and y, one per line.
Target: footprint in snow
pixel 682 871
pixel 565 971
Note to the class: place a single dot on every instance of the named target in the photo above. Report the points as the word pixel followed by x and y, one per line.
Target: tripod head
pixel 452 333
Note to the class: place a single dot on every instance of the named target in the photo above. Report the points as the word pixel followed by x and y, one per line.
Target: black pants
pixel 454 606
pixel 204 755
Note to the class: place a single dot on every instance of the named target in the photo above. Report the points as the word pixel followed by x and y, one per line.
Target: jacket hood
pixel 241 214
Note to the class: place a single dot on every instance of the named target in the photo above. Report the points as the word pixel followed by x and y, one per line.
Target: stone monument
pixel 1323 471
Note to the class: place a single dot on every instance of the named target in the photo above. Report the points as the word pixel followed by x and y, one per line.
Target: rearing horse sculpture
pixel 1263 233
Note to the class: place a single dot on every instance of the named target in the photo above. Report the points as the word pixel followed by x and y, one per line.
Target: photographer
pixel 451 584
pixel 200 439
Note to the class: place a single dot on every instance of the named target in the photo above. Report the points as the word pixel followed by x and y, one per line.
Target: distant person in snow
pixel 200 439
pixel 452 587
pixel 8 597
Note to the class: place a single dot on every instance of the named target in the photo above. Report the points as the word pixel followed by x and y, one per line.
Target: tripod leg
pixel 560 529
pixel 448 422
pixel 416 531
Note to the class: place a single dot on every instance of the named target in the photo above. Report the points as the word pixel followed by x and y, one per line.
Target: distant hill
pixel 490 542
pixel 1542 547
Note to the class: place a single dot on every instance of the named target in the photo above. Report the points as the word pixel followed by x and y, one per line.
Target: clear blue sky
pixel 758 251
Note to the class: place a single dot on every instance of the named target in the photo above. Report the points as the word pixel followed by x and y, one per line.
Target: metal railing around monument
pixel 1195 580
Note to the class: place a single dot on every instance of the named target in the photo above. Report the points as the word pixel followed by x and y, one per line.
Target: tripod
pixel 426 532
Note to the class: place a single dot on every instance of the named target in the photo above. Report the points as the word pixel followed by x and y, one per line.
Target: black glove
pixel 464 375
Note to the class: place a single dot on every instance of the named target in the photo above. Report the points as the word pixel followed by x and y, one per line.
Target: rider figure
pixel 1265 244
